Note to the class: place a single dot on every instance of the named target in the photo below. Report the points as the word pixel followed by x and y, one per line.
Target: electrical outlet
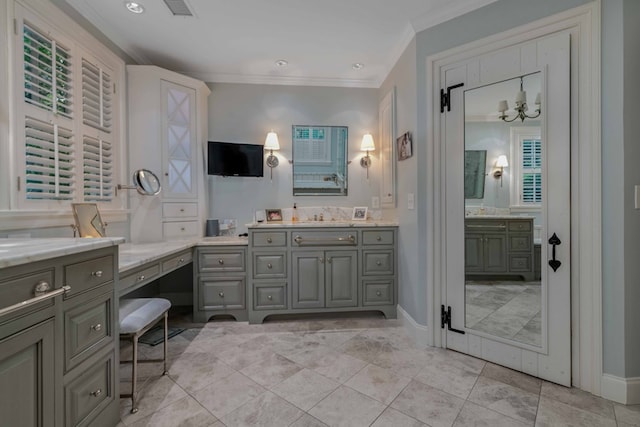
pixel 375 202
pixel 411 201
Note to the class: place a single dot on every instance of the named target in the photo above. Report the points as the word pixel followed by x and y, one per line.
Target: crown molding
pixel 282 80
pixel 452 11
pixel 407 37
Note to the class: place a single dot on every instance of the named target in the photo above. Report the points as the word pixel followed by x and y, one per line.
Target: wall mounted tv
pixel 230 159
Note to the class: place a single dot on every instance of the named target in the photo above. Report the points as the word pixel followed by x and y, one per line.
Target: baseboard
pixel 419 333
pixel 621 390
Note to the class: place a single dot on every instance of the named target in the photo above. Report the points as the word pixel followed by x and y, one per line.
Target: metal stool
pixel 137 316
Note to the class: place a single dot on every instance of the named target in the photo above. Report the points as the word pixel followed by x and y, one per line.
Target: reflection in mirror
pixel 145 182
pixel 319 160
pixel 88 220
pixel 503 287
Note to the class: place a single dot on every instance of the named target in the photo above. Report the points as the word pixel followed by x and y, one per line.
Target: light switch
pixel 411 201
pixel 637 201
pixel 375 202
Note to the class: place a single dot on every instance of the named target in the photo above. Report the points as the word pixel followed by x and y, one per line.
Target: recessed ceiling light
pixel 358 66
pixel 282 63
pixel 134 7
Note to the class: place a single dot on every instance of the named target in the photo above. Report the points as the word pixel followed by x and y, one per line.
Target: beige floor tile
pixel 378 383
pixel 265 410
pixel 555 413
pixel 329 363
pixel 427 404
pixel 272 370
pixel 505 399
pixel 247 353
pixel 407 363
pixel 367 348
pixel 305 388
pixel 392 418
pixel 629 414
pixel 347 407
pixel 194 371
pixel 153 395
pixel 308 421
pixel 453 358
pixel 228 394
pixel 473 415
pixel 332 339
pixel 511 377
pixel 448 378
pixel 185 412
pixel 578 399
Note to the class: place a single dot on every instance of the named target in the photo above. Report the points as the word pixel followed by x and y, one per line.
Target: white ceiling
pixel 240 40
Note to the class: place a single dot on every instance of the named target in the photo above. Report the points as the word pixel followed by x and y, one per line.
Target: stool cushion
pixel 137 313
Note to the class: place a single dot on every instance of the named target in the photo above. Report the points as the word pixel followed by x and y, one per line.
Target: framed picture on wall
pixel 274 215
pixel 359 214
pixel 405 146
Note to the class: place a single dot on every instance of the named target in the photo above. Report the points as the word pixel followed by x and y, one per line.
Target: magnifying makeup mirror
pixel 145 182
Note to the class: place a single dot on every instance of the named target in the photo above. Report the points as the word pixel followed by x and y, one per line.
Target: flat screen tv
pixel 230 159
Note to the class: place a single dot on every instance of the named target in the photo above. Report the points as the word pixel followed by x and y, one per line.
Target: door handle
pixel 553 262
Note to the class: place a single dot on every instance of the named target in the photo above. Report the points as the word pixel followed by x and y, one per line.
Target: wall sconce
pixel 366 146
pixel 271 143
pixel 501 163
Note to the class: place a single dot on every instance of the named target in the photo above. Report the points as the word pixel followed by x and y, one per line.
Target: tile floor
pixel 505 309
pixel 357 371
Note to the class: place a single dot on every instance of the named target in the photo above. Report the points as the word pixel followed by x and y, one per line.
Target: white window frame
pixel 323 160
pixel 517 135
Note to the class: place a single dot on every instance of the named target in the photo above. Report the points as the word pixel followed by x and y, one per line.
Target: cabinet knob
pixel 141 277
pixel 269 297
pixel 269 266
pixel 221 294
pixel 269 240
pixel 181 209
pixel 181 260
pixel 378 293
pixel 220 261
pixel 97 327
pixel 41 288
pixel 321 259
pixel 379 238
pixel 97 273
pixel 378 262
pixel 96 393
pixel 329 260
pixel 181 228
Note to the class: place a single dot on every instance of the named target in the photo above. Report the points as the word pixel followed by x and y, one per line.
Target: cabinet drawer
pixel 271 238
pixel 87 395
pixel 173 230
pixel 269 296
pixel 88 274
pixel 21 288
pixel 269 265
pixel 480 225
pixel 132 279
pixel 519 225
pixel 520 263
pixel 221 293
pixel 377 262
pixel 520 243
pixel 179 210
pixel 377 237
pixel 221 261
pixel 178 260
pixel 86 328
pixel 377 292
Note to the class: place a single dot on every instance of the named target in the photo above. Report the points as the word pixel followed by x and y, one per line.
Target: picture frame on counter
pixel 273 215
pixel 359 213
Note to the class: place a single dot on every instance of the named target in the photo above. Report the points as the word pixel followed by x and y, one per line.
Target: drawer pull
pixel 269 240
pixel 221 261
pixel 269 297
pixel 181 228
pixel 379 238
pixel 378 293
pixel 181 209
pixel 97 273
pixel 269 266
pixel 321 260
pixel 329 260
pixel 350 240
pixel 181 260
pixel 41 288
pixel 378 262
pixel 97 327
pixel 96 393
pixel 38 298
pixel 221 294
pixel 141 277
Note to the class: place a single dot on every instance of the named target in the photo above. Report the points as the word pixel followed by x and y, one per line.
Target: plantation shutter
pixel 96 97
pixel 531 171
pixel 47 73
pixel 49 155
pixel 97 170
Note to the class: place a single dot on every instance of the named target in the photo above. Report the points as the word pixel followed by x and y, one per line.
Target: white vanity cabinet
pixel 167 135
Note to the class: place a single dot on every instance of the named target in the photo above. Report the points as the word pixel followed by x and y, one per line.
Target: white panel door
pixel 499 339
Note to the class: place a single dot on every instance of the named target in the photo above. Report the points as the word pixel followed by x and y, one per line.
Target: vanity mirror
pixel 319 160
pixel 88 220
pixel 145 182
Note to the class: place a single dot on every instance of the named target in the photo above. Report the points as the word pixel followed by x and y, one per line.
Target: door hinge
pixel 445 97
pixel 445 320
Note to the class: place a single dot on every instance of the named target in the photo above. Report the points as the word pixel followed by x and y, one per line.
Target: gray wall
pixel 245 113
pixel 403 77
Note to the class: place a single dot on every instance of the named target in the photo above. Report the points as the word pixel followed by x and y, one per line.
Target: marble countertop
pixel 323 224
pixel 22 251
pixel 500 217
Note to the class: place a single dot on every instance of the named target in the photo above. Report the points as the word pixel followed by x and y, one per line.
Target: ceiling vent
pixel 178 7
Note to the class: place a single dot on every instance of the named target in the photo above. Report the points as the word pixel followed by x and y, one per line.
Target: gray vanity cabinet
pixel 308 278
pixel 485 252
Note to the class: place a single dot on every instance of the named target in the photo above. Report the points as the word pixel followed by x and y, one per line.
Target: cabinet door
pixel 179 141
pixel 495 253
pixel 308 279
pixel 473 252
pixel 26 377
pixel 341 278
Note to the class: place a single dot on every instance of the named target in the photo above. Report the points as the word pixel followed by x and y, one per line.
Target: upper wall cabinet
pixel 387 120
pixel 167 135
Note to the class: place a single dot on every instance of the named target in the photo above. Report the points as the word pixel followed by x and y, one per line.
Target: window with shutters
pixel 67 140
pixel 526 155
pixel 311 145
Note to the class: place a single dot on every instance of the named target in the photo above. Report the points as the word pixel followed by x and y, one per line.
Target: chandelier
pixel 521 106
